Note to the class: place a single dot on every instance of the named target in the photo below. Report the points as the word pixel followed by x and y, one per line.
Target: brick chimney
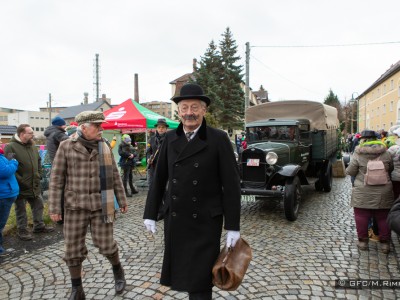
pixel 136 97
pixel 194 64
pixel 85 98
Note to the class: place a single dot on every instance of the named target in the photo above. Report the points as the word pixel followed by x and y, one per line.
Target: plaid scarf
pixel 106 183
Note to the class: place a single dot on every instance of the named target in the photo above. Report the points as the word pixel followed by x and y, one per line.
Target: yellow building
pixel 379 105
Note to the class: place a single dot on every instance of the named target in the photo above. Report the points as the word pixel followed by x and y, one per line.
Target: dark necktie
pixel 189 135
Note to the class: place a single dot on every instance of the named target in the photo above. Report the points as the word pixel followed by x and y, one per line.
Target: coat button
pixel 194 199
pixel 194 182
pixel 196 165
pixel 173 214
pixel 176 165
pixel 194 216
pixel 173 197
pixel 174 180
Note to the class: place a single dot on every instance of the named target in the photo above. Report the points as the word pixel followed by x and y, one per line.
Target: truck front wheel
pixel 292 199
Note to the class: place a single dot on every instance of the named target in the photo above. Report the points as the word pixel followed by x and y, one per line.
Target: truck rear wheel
pixel 291 201
pixel 326 178
pixel 318 186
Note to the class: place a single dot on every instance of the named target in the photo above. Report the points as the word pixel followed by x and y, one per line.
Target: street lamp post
pixel 357 101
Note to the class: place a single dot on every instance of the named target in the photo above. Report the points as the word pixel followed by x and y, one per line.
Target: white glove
pixel 150 225
pixel 232 237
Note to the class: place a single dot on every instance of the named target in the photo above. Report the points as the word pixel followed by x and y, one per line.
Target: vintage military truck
pixel 290 144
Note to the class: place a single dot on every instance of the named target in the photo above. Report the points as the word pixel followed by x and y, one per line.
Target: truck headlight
pixel 271 158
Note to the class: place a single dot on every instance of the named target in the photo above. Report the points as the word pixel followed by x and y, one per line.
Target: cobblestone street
pixel 291 260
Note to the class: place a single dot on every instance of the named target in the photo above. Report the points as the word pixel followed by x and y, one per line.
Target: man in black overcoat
pixel 203 195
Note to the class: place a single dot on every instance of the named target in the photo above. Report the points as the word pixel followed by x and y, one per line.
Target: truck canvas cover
pixel 321 116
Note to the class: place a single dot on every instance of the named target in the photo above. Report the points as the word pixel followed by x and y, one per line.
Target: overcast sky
pixel 49 46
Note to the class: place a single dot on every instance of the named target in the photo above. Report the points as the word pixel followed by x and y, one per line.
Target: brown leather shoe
pixel 385 247
pixel 363 244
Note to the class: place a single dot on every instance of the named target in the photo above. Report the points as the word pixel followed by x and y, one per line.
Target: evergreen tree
pixel 208 77
pixel 221 80
pixel 333 100
pixel 231 92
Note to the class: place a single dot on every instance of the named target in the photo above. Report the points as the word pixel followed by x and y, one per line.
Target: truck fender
pixel 289 170
pixel 293 170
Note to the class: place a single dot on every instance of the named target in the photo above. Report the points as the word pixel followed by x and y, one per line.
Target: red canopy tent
pixel 130 116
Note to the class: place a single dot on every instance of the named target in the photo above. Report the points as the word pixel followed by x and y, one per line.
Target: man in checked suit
pixel 85 170
pixel 203 195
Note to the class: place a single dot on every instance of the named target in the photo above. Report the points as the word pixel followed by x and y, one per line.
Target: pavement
pixel 291 260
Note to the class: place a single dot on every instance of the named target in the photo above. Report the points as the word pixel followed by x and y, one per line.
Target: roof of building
pixel 8 130
pixel 184 78
pixel 392 70
pixel 261 94
pixel 72 111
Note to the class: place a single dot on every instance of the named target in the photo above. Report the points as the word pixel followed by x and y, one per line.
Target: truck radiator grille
pixel 256 174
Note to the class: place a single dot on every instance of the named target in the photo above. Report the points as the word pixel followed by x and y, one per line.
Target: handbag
pixel 231 266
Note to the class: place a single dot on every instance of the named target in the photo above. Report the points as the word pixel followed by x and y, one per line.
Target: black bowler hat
pixel 191 91
pixel 161 122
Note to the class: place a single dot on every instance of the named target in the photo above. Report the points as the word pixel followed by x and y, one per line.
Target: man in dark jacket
pixel 198 164
pixel 127 162
pixel 153 148
pixel 55 134
pixel 28 177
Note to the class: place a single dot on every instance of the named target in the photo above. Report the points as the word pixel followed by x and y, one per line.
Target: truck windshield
pixel 266 133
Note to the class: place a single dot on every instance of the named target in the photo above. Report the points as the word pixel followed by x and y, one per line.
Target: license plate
pixel 253 162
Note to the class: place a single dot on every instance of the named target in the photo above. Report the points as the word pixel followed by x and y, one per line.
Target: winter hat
pixel 368 134
pixel 126 138
pixel 71 129
pixel 58 121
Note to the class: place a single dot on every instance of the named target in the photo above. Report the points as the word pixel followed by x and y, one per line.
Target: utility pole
pixel 97 78
pixel 49 105
pixel 247 88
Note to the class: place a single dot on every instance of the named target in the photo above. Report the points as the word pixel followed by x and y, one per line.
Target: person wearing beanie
pixel 127 163
pixel 71 130
pixel 55 134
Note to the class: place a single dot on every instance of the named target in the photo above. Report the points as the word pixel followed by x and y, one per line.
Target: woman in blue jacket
pixel 9 191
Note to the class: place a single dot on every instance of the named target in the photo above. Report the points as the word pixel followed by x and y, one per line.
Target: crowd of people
pixel 194 188
pixel 375 154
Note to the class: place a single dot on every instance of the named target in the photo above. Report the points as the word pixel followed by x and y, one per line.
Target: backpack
pixel 376 173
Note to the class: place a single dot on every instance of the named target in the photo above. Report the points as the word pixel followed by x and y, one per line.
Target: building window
pixel 41 129
pixel 391 124
pixel 391 105
pixel 384 89
pixel 391 84
pixel 384 109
